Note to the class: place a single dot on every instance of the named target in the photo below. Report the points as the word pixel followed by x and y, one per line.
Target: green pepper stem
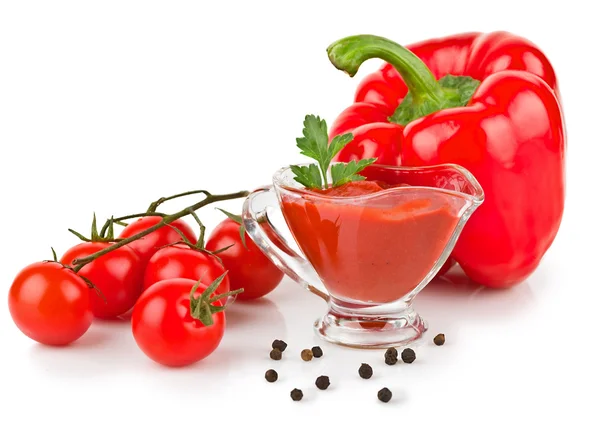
pixel 349 53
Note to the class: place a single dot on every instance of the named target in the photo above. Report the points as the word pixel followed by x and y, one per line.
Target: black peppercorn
pixel 390 360
pixel 271 375
pixel 296 395
pixel 384 395
pixel 322 382
pixel 317 351
pixel 365 371
pixel 408 355
pixel 440 339
pixel 275 354
pixel 393 352
pixel 391 356
pixel 279 344
pixel 306 355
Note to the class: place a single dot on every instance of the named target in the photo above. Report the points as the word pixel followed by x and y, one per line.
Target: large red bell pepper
pixel 488 102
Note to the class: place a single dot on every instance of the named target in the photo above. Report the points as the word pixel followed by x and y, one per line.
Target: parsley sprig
pixel 314 144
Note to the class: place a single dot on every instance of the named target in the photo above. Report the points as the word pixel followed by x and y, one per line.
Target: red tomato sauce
pixel 376 251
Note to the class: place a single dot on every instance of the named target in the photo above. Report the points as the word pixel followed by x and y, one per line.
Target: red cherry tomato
pixel 50 303
pixel 165 330
pixel 148 245
pixel 118 275
pixel 180 261
pixel 247 268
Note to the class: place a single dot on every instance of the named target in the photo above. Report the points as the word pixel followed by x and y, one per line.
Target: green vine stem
pixel 202 308
pixel 126 217
pixel 200 243
pixel 79 263
pixel 154 205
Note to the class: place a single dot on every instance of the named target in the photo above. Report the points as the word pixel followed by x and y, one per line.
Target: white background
pixel 106 106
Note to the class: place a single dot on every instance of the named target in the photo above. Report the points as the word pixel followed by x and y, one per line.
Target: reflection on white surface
pixel 454 299
pixel 288 313
pixel 495 340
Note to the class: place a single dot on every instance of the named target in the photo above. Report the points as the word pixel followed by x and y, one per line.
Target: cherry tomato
pixel 180 261
pixel 50 303
pixel 148 245
pixel 248 268
pixel 118 275
pixel 164 328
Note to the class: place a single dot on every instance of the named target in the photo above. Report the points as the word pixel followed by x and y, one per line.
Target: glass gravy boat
pixel 368 256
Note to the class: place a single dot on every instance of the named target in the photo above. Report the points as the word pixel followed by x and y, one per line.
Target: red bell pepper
pixel 488 102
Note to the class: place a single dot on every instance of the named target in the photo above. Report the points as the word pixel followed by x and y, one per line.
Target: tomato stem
pixel 91 285
pixel 200 243
pixel 79 263
pixel 154 205
pixel 123 218
pixel 202 308
pixel 224 295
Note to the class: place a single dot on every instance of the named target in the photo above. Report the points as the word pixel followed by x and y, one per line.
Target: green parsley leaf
pixel 309 176
pixel 337 143
pixel 342 173
pixel 314 143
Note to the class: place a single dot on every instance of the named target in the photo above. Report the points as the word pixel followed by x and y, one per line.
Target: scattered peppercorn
pixel 322 382
pixel 365 371
pixel 391 352
pixel 275 354
pixel 408 355
pixel 279 344
pixel 306 354
pixel 384 395
pixel 440 339
pixel 317 352
pixel 390 360
pixel 391 356
pixel 296 395
pixel 271 375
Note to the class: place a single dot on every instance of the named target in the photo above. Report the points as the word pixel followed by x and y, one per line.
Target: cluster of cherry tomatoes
pixel 176 286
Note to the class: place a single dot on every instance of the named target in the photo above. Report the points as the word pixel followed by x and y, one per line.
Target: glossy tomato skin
pixel 164 329
pixel 118 275
pixel 50 304
pixel 180 261
pixel 248 268
pixel 148 245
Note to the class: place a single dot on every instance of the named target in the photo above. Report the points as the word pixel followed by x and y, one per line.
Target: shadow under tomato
pixel 92 339
pixel 108 346
pixel 221 359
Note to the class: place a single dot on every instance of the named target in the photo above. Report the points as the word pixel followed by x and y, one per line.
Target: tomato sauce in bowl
pixel 372 241
pixel 369 246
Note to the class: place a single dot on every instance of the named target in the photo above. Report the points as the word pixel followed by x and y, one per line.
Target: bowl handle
pixel 264 234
